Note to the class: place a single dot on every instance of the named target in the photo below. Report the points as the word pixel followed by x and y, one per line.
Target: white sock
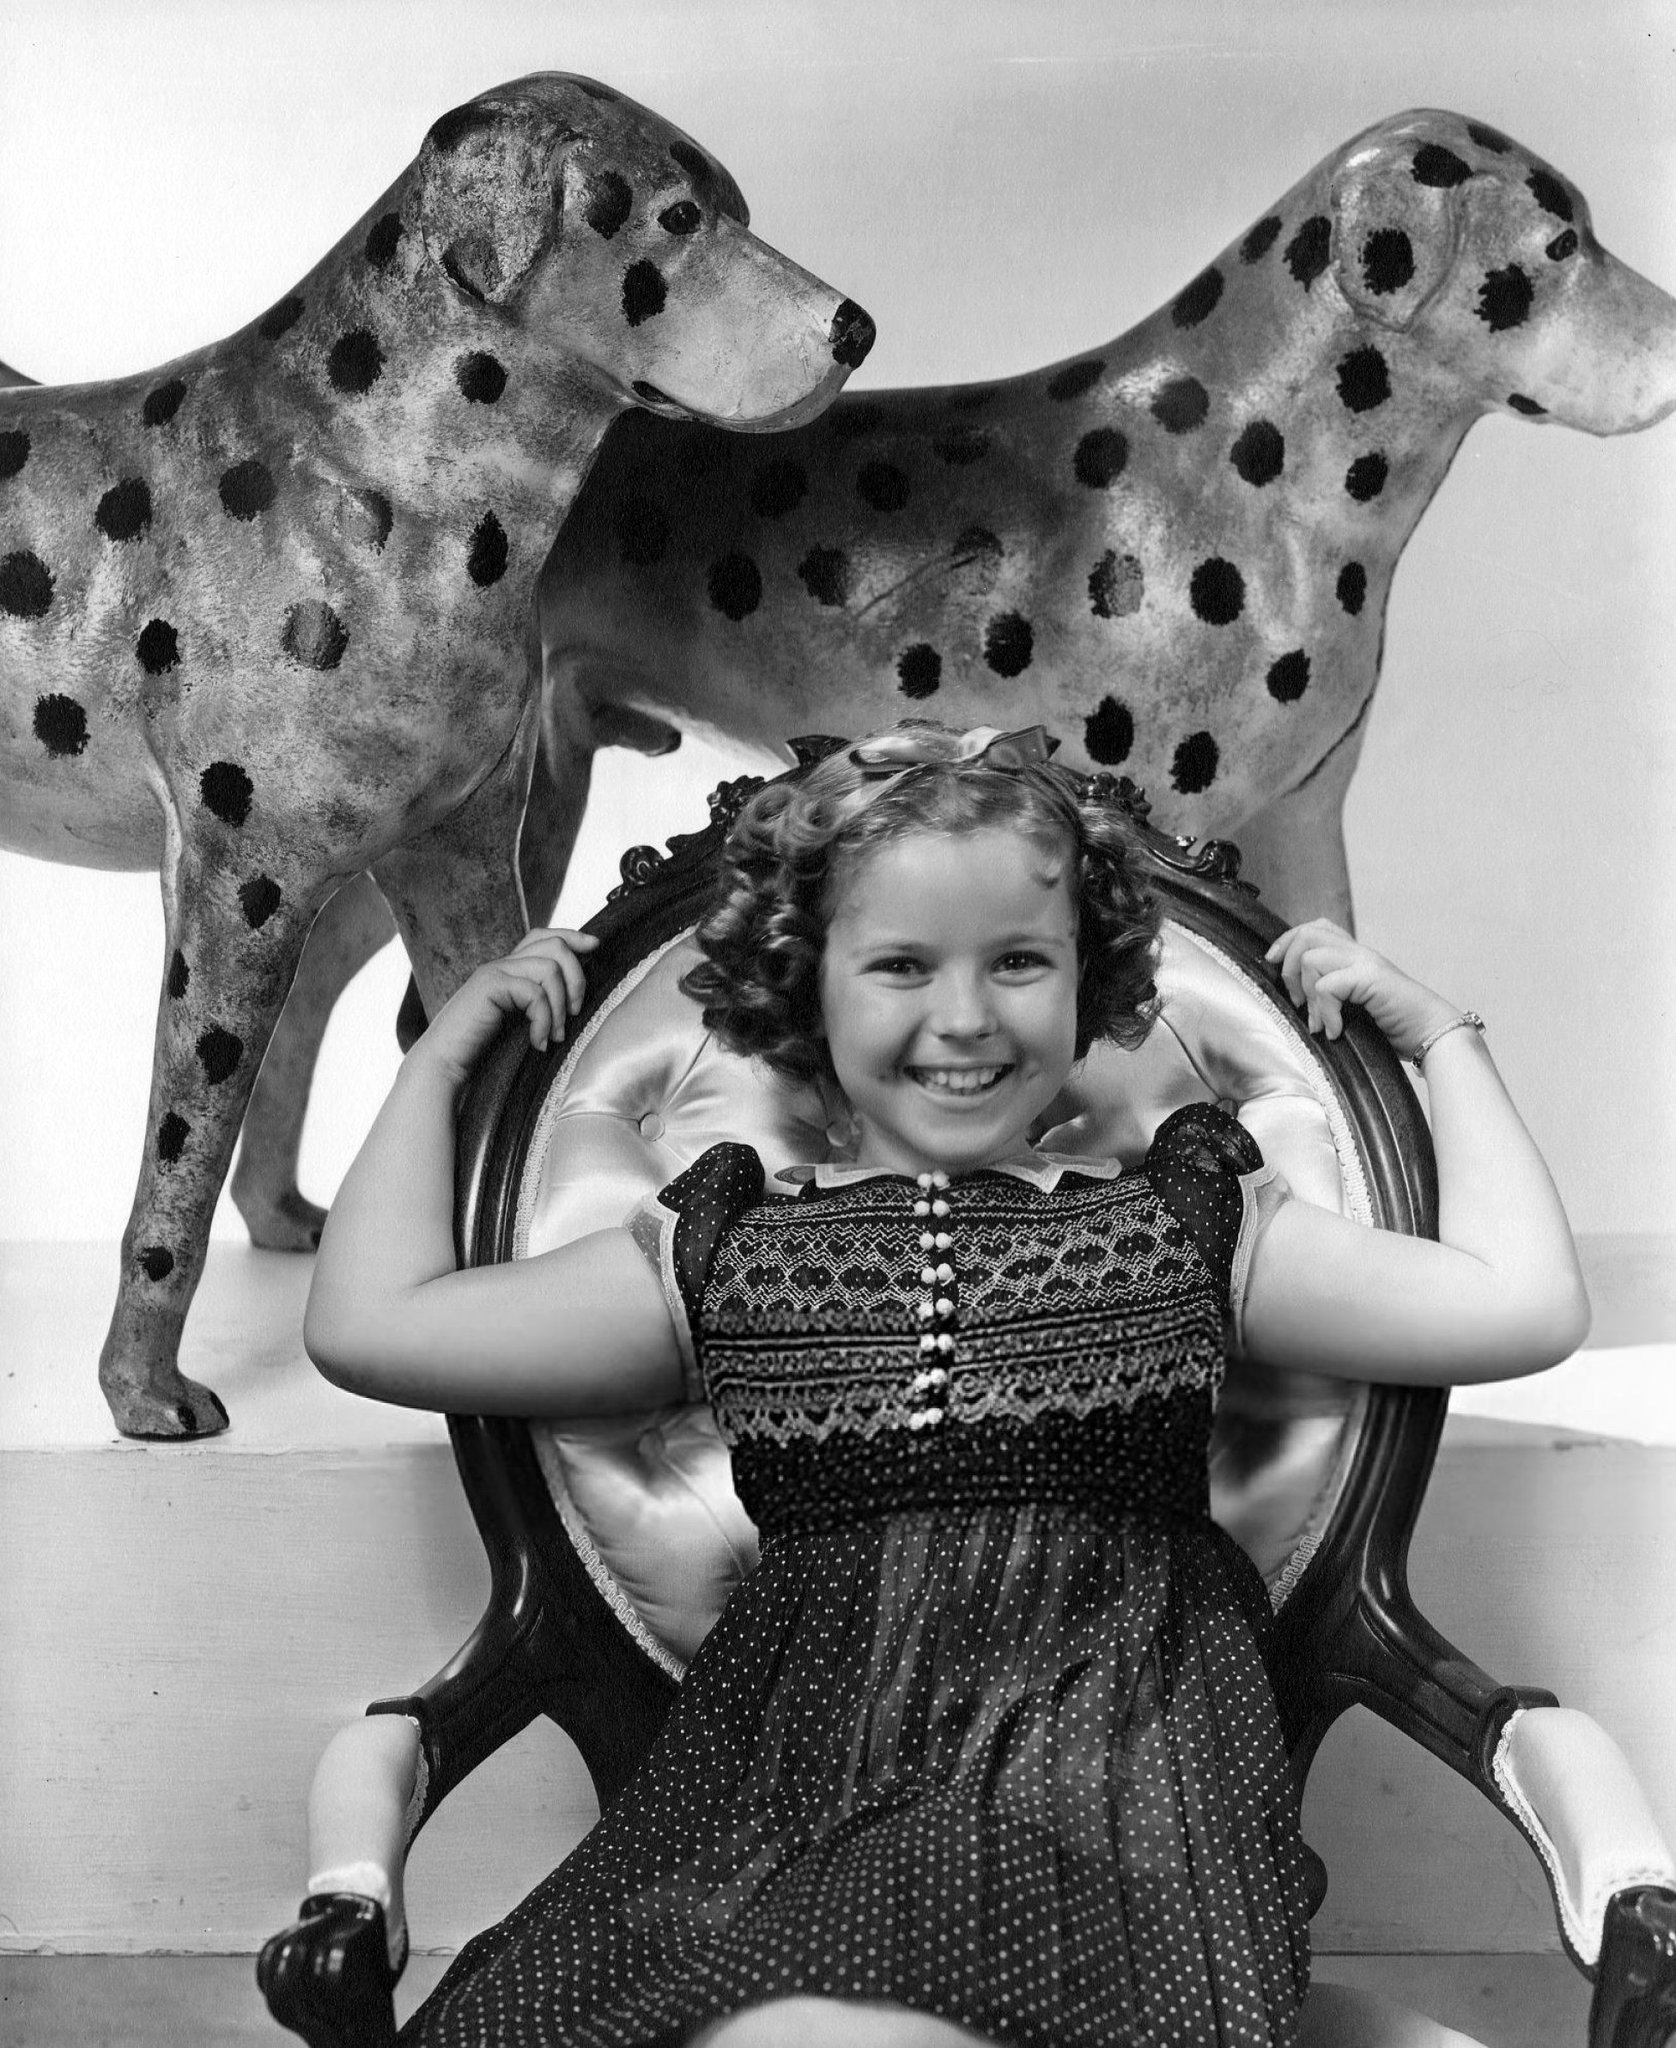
pixel 367 1881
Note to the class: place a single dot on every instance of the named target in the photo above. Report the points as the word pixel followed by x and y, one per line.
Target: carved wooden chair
pixel 614 1544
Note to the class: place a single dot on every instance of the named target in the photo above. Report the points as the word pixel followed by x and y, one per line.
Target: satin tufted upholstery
pixel 649 1503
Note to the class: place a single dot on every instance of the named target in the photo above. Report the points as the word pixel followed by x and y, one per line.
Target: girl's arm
pixel 580 1330
pixel 1499 1294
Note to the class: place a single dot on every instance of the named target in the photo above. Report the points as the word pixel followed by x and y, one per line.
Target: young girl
pixel 983 1751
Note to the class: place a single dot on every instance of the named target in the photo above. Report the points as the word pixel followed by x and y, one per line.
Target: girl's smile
pixel 948 996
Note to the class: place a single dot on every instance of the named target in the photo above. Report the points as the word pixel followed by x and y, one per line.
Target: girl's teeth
pixel 966 1081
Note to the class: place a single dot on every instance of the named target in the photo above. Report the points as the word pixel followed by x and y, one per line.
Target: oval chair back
pixel 616 1541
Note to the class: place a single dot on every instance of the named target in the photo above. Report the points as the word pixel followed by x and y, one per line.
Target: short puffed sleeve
pixel 1206 1168
pixel 679 1229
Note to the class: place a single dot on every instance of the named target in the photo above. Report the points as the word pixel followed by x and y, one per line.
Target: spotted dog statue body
pixel 265 612
pixel 1175 549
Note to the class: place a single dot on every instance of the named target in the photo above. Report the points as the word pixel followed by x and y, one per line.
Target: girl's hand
pixel 1324 968
pixel 541 979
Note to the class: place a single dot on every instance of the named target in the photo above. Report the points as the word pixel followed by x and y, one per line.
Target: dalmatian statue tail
pixel 265 612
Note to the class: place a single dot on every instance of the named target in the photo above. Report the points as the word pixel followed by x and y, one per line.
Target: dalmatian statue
pixel 265 612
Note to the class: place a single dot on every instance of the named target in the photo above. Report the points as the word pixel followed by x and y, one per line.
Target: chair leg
pixel 328 1976
pixel 1635 1984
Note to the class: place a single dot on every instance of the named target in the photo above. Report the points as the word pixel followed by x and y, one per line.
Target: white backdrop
pixel 1000 185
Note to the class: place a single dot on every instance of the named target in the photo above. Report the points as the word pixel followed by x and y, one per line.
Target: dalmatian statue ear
pixel 1395 237
pixel 488 190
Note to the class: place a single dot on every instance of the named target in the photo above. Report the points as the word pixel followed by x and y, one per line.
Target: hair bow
pixel 985 746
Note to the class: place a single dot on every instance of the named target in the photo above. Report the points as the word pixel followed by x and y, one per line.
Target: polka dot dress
pixel 988 1732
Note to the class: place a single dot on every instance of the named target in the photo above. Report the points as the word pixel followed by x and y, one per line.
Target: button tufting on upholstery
pixel 651 1125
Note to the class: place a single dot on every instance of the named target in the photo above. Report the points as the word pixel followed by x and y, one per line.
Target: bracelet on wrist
pixel 1467 1017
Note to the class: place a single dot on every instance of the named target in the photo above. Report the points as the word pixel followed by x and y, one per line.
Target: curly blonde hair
pixel 763 938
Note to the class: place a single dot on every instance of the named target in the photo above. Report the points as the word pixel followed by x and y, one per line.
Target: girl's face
pixel 949 996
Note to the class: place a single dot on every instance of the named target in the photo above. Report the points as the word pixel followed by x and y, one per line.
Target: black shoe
pixel 328 1976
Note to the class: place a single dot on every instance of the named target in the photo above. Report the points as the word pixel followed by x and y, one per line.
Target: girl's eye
pixel 1020 963
pixel 895 964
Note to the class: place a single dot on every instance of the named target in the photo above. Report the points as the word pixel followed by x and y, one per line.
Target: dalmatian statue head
pixel 1447 231
pixel 556 203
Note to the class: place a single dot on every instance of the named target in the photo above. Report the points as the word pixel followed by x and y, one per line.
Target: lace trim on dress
pixel 652 1228
pixel 1261 1194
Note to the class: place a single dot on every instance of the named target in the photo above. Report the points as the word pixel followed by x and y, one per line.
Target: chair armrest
pixel 1571 1793
pixel 1635 1990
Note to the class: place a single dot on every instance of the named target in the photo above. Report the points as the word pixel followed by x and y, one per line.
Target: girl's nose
pixel 963 1008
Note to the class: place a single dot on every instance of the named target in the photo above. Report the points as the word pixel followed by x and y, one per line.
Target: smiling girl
pixel 984 1749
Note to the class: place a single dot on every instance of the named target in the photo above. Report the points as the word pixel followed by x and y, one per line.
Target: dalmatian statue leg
pixel 352 926
pixel 1293 848
pixel 231 949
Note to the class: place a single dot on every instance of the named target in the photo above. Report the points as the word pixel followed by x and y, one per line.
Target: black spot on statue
pixel 1217 591
pixel 1363 379
pixel 450 129
pixel 280 319
pixel 644 292
pixel 1310 249
pixel 246 489
pixel 162 404
pixel 683 218
pixel 124 512
pixel 1550 194
pixel 1195 763
pixel 1434 165
pixel 25 585
pixel 179 975
pixel 1491 139
pixel 156 1262
pixel 778 488
pixel 919 669
pixel 851 334
pixel 226 790
pixel 1100 458
pixel 1562 246
pixel 314 635
pixel 1008 643
pixel 356 362
pixel 60 726
pixel 1115 585
pixel 1504 299
pixel 172 1134
pixel 380 516
pixel 383 240
pixel 642 532
pixel 1365 478
pixel 1198 301
pixel 735 586
pixel 1528 406
pixel 486 559
pixel 977 544
pixel 1261 239
pixel 259 899
pixel 610 201
pixel 219 1053
pixel 961 445
pixel 1108 735
pixel 882 485
pixel 1352 587
pixel 1387 261
pixel 1181 405
pixel 1076 378
pixel 481 377
pixel 1288 678
pixel 14 452
pixel 826 575
pixel 1259 455
pixel 158 648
